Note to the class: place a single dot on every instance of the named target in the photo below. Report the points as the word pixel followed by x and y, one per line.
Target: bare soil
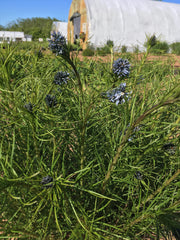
pixel 168 58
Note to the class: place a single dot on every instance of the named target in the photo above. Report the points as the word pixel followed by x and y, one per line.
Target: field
pixel 89 147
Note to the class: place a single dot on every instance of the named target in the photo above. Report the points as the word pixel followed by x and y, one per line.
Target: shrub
pixel 110 43
pixel 103 51
pixel 136 49
pixel 175 48
pixel 83 156
pixel 156 46
pixel 160 48
pixel 88 52
pixel 124 49
pixel 106 49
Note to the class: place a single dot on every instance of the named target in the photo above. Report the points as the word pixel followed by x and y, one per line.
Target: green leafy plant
pixel 124 49
pixel 175 48
pixel 87 151
pixel 88 52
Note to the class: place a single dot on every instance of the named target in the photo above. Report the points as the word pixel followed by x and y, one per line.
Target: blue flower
pixel 29 107
pixel 121 68
pixel 138 175
pixel 50 100
pixel 169 148
pixel 57 44
pixel 118 95
pixel 47 180
pixel 61 78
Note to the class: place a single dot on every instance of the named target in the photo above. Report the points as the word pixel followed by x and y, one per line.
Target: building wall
pixel 126 22
pixel 9 36
pixel 60 27
pixel 80 7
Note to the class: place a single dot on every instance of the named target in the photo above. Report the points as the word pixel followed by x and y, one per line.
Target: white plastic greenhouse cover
pixel 129 22
pixel 60 27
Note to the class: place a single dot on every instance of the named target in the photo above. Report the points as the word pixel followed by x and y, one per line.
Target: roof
pixel 128 22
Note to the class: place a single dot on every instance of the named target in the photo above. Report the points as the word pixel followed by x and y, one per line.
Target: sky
pixel 11 10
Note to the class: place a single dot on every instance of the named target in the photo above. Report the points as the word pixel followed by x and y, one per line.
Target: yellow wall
pixel 78 6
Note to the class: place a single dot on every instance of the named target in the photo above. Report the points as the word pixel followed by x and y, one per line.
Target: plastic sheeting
pixel 60 27
pixel 129 22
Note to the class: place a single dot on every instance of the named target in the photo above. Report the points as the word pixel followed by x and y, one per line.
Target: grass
pixel 115 168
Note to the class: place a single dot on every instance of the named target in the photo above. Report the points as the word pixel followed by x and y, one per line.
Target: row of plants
pixel 88 150
pixel 155 47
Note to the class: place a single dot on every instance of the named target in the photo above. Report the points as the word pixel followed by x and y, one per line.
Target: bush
pixel 156 46
pixel 160 48
pixel 175 48
pixel 84 152
pixel 136 49
pixel 103 51
pixel 110 43
pixel 88 52
pixel 124 49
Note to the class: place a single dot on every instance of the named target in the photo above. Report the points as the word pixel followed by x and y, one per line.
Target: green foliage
pixel 156 46
pixel 103 51
pixel 106 49
pixel 160 48
pixel 110 43
pixel 175 48
pixel 151 41
pixel 115 168
pixel 136 49
pixel 88 52
pixel 124 49
pixel 37 27
pixel 2 28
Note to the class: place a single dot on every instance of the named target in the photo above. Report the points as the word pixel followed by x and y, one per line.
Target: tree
pixel 37 27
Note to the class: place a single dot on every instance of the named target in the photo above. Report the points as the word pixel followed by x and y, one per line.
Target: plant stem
pixel 126 136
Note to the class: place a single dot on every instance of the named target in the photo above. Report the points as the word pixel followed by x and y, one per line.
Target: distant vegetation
pixel 37 27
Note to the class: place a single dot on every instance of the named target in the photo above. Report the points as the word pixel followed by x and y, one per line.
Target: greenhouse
pixel 127 22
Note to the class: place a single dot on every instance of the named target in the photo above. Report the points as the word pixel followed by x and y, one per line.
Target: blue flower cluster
pixel 57 43
pixel 61 78
pixel 136 129
pixel 138 175
pixel 118 95
pixel 170 148
pixel 47 180
pixel 121 68
pixel 50 100
pixel 29 107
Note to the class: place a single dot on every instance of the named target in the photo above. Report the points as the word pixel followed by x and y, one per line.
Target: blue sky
pixel 10 10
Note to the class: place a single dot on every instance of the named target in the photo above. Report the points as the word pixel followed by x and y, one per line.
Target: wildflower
pixel 50 100
pixel 29 107
pixel 46 180
pixel 61 78
pixel 121 68
pixel 169 148
pixel 118 95
pixel 138 175
pixel 57 43
pixel 136 129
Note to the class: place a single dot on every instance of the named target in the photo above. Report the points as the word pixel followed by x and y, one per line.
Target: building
pixel 60 27
pixel 124 22
pixel 10 36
